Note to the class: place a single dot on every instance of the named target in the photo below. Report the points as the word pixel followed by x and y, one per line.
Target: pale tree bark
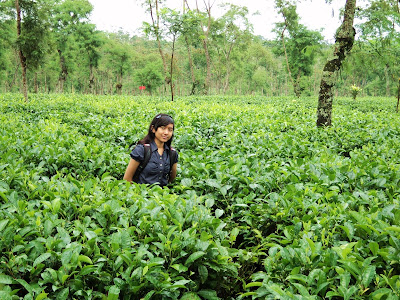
pixel 205 45
pixel 388 80
pixel 344 40
pixel 172 85
pixel 156 26
pixel 286 56
pixel 195 82
pixel 227 55
pixel 22 57
pixel 398 97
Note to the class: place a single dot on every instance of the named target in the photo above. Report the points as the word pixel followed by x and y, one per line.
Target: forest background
pixel 189 51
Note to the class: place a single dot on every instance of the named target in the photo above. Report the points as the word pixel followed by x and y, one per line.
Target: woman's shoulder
pixel 138 152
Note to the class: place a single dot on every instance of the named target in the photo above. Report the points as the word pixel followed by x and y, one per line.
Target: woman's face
pixel 164 133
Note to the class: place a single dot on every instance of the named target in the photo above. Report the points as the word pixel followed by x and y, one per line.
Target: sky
pixel 128 15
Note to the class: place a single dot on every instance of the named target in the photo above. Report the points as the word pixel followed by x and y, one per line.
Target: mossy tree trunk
pixel 344 40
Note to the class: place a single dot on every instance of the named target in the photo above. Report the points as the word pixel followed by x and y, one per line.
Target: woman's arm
pixel 131 169
pixel 173 173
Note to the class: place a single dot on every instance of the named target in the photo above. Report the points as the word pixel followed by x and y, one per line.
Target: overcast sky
pixel 128 15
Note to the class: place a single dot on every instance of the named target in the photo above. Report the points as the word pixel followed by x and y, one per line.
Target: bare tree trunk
pixel 205 46
pixel 156 26
pixel 398 97
pixel 343 44
pixel 193 77
pixel 22 57
pixel 171 69
pixel 91 79
pixel 64 71
pixel 387 78
pixel 36 83
pixel 286 56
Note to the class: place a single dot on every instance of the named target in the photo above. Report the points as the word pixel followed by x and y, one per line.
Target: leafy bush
pixel 266 205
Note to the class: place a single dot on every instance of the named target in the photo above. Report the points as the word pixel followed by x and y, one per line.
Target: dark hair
pixel 158 121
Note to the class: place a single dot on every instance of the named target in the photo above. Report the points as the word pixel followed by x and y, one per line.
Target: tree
pixel 230 32
pixel 91 41
pixel 206 31
pixel 290 19
pixel 6 38
pixel 190 33
pixel 32 26
pixel 155 30
pixel 380 32
pixel 299 47
pixel 149 76
pixel 344 40
pixel 118 58
pixel 68 18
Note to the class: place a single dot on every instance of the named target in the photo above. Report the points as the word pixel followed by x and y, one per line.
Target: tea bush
pixel 265 206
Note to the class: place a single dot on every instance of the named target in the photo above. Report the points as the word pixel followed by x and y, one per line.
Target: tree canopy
pixel 193 50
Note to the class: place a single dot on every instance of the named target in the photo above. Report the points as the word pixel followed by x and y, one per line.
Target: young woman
pixel 158 144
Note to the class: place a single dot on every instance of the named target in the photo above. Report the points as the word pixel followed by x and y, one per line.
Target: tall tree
pixel 32 26
pixel 287 8
pixel 68 17
pixel 191 33
pixel 154 29
pixel 173 22
pixel 299 46
pixel 344 40
pixel 206 31
pixel 230 32
pixel 6 37
pixel 90 40
pixel 380 31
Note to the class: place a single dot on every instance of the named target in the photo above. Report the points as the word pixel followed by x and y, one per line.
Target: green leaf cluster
pixel 266 205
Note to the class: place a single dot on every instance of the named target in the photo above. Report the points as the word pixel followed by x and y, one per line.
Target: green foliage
pixel 150 76
pixel 265 204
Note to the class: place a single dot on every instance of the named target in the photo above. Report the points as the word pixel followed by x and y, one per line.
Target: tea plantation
pixel 266 205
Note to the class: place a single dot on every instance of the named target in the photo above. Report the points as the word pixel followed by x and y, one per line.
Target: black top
pixel 158 167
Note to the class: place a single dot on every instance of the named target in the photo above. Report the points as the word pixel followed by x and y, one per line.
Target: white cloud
pixel 128 15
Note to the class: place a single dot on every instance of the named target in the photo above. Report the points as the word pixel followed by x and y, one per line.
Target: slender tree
pixel 206 30
pixel 21 54
pixel 155 30
pixel 68 18
pixel 344 40
pixel 290 20
pixel 379 29
pixel 32 27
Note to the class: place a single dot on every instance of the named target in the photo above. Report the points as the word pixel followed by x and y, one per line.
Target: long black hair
pixel 158 121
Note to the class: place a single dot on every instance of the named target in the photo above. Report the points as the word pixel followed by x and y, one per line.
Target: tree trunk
pixel 344 40
pixel 193 77
pixel 22 57
pixel 205 46
pixel 286 57
pixel 91 79
pixel 398 97
pixel 172 69
pixel 64 71
pixel 156 26
pixel 36 83
pixel 387 78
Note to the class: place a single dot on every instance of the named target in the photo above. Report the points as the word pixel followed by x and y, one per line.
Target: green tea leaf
pixel 190 296
pixel 113 293
pixel 41 258
pixel 5 279
pixel 368 275
pixel 85 259
pixel 193 257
